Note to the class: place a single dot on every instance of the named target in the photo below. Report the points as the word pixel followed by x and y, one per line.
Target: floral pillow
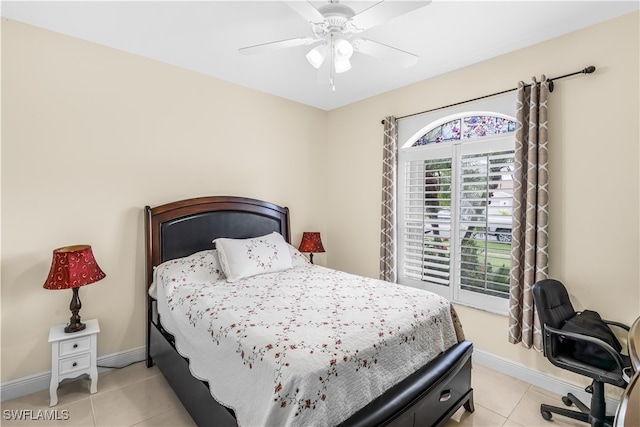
pixel 297 259
pixel 240 258
pixel 203 266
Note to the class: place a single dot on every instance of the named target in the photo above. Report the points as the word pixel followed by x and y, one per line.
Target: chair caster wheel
pixel 566 401
pixel 546 415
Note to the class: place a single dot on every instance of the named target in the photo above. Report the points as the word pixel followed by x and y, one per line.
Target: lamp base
pixel 75 325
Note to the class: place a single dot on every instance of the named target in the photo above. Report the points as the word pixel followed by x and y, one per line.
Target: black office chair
pixel 560 348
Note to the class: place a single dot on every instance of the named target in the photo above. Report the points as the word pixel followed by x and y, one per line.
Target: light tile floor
pixel 137 396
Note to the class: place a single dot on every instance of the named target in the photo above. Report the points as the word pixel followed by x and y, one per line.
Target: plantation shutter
pixel 426 223
pixel 485 214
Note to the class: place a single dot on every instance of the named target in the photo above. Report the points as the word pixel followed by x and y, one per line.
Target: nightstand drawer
pixel 71 364
pixel 74 346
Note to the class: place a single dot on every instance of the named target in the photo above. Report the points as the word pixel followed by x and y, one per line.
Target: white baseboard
pixel 33 383
pixel 537 378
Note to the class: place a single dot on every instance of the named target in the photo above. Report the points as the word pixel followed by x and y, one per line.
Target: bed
pixel 427 396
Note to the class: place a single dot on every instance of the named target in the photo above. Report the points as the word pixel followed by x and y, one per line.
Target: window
pixel 455 199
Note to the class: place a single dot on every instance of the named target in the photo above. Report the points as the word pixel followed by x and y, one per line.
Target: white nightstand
pixel 73 354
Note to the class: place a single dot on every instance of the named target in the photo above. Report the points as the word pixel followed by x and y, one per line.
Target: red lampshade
pixel 72 267
pixel 311 242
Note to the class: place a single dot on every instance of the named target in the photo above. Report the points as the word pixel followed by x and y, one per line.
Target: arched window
pixel 465 126
pixel 454 207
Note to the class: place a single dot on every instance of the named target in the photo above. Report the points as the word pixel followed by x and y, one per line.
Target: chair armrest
pixel 585 338
pixel 611 322
pixel 618 324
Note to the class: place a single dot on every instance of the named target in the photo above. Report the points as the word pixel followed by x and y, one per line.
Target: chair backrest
pixel 552 303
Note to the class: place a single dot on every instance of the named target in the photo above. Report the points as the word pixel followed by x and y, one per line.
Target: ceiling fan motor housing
pixel 336 17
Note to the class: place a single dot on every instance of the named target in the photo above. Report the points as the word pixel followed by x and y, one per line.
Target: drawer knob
pixel 445 395
pixel 76 364
pixel 75 346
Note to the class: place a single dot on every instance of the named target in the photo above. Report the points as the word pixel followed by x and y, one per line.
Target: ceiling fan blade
pixel 307 11
pixel 387 53
pixel 282 44
pixel 383 11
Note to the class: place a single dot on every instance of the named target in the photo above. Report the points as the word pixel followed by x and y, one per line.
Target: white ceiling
pixel 205 36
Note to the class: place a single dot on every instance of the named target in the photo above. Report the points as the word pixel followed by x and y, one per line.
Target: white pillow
pixel 240 258
pixel 203 266
pixel 297 259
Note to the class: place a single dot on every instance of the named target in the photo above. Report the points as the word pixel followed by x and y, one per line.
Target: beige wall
pixel 90 136
pixel 594 177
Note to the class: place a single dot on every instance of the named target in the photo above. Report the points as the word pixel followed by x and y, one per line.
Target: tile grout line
pixel 93 412
pixel 128 384
pixel 493 412
pixel 153 416
pixel 166 411
pixel 524 395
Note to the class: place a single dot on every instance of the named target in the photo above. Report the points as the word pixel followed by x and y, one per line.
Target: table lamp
pixel 72 267
pixel 310 243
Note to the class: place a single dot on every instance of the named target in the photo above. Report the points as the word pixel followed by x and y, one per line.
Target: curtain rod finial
pixel 590 69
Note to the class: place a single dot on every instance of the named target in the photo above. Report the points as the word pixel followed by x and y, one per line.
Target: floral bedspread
pixel 306 346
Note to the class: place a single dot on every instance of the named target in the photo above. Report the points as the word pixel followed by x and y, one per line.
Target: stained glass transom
pixel 466 128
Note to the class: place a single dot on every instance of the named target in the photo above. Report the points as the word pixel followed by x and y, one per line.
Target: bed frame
pixel 428 397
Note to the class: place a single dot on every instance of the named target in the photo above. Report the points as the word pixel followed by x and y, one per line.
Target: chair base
pixel 595 416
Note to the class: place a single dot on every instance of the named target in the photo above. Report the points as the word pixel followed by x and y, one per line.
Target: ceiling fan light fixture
pixel 343 50
pixel 317 55
pixel 342 65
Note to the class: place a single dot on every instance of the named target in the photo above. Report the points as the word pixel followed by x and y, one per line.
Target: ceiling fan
pixel 334 27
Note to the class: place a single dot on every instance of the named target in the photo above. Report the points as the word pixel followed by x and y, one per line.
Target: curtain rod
pixel 590 69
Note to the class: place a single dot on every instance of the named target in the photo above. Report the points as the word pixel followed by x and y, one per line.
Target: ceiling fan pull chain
pixel 333 68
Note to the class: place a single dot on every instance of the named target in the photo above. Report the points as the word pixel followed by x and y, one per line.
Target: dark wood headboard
pixel 181 228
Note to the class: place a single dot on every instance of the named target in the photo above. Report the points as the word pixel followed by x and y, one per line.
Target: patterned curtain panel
pixel 388 221
pixel 529 253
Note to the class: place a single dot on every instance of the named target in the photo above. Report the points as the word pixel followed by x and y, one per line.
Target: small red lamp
pixel 310 243
pixel 72 267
